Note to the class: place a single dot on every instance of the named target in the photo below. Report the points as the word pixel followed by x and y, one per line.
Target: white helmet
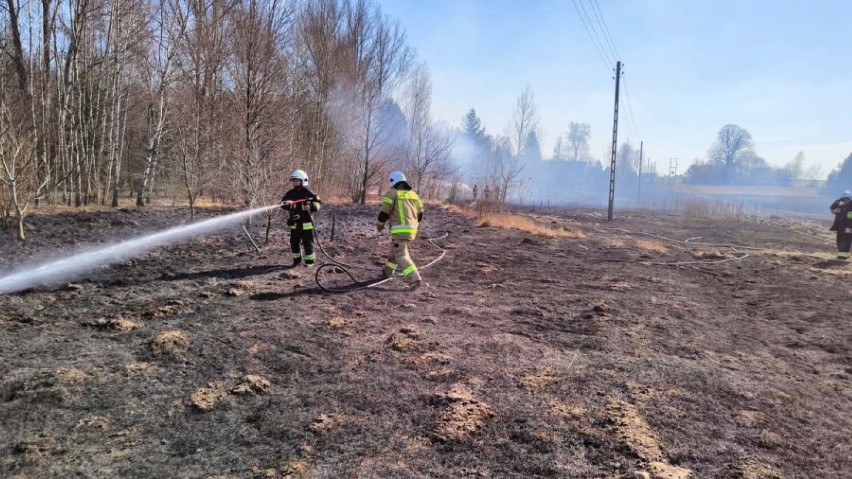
pixel 300 175
pixel 846 194
pixel 396 177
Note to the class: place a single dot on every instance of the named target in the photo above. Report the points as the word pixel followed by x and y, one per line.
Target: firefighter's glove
pixel 380 226
pixel 286 204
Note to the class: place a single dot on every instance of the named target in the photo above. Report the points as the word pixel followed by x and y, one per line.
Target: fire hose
pixel 341 267
pixel 344 268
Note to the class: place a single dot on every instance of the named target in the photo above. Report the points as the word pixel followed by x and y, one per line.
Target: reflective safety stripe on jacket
pixel 402 207
pixel 305 203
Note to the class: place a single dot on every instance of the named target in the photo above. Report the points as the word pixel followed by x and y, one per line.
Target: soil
pixel 529 356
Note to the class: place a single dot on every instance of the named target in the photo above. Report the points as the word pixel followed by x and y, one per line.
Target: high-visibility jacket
pixel 842 217
pixel 404 210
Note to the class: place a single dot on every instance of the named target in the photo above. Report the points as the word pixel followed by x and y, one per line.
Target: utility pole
pixel 672 167
pixel 672 171
pixel 614 142
pixel 641 145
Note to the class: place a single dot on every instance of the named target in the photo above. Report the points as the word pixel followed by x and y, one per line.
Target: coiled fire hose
pixel 341 267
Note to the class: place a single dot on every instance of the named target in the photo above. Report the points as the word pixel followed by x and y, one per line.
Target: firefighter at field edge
pixel 301 202
pixel 842 209
pixel 402 207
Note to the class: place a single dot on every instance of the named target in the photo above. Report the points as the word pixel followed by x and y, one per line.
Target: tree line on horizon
pixel 108 99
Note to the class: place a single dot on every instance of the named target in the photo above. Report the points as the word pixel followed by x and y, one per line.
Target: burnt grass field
pixel 530 356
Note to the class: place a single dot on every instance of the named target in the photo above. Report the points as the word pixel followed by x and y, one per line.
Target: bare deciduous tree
pixel 427 147
pixel 19 164
pixel 578 140
pixel 733 143
pixel 506 170
pixel 524 120
pixel 258 72
pixel 204 97
pixel 377 58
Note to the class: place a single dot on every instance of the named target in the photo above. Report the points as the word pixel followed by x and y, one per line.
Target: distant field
pixel 737 190
pixel 761 200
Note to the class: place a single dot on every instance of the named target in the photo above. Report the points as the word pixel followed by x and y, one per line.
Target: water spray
pixel 71 267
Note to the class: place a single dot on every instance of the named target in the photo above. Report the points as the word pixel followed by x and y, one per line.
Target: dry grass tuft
pixel 664 470
pixel 542 377
pixel 459 210
pixel 325 422
pixel 256 473
pixel 170 343
pixel 125 325
pixel 844 271
pixel 119 324
pixel 435 357
pixel 651 246
pixel 486 268
pixel 750 418
pixel 252 384
pixel 710 255
pixel 619 286
pixel 295 470
pixel 93 422
pixel 258 348
pixel 338 322
pixel 565 411
pixel 170 308
pixel 463 415
pixel 69 375
pixel 770 440
pixel 636 434
pixel 402 344
pixel 756 470
pixel 205 399
pixel 135 369
pixel 244 285
pixel 509 221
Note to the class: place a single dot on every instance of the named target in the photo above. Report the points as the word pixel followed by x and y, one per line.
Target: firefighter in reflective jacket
pixel 842 209
pixel 301 202
pixel 402 207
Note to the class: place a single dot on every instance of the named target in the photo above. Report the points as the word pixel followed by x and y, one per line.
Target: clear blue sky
pixel 781 69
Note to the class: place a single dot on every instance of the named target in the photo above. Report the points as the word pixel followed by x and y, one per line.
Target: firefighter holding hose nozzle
pixel 301 202
pixel 402 207
pixel 842 209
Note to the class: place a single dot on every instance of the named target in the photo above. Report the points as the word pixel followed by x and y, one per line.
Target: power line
pixel 597 9
pixel 605 46
pixel 630 108
pixel 610 43
pixel 599 37
pixel 594 42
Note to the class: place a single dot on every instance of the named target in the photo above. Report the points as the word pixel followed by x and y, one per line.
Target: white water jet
pixel 64 269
